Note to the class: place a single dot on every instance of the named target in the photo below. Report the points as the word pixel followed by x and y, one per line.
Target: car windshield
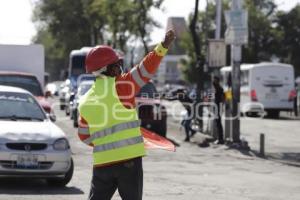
pixel 148 91
pixel 28 83
pixel 19 106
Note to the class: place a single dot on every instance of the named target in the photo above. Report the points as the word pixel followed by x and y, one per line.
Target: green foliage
pixel 262 36
pixel 205 30
pixel 288 26
pixel 66 22
pixel 142 21
pixel 64 25
pixel 271 33
pixel 54 53
pixel 189 65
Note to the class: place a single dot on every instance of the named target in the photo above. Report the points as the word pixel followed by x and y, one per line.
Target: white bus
pixel 77 64
pixel 265 87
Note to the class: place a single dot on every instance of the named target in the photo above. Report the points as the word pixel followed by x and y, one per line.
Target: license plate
pixel 27 161
pixel 272 96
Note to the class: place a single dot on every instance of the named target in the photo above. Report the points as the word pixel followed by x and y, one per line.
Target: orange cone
pixel 154 141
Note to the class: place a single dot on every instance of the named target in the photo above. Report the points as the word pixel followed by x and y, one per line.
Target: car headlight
pixel 61 144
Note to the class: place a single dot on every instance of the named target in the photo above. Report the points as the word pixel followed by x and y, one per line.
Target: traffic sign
pixel 237 27
pixel 216 53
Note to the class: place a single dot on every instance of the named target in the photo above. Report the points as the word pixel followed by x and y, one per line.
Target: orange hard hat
pixel 99 57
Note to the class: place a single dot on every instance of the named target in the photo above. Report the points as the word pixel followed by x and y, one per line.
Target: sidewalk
pixel 282 136
pixel 215 173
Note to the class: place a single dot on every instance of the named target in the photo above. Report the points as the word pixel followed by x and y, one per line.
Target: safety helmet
pixel 99 57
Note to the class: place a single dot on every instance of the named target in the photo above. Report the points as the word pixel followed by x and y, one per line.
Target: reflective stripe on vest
pixel 83 131
pixel 118 144
pixel 144 71
pixel 136 76
pixel 112 130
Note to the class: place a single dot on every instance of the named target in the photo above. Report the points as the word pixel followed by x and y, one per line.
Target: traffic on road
pixel 135 100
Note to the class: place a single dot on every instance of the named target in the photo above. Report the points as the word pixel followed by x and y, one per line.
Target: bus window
pixel 78 65
pixel 244 78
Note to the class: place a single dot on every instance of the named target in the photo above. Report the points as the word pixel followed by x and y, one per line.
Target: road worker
pixel 109 122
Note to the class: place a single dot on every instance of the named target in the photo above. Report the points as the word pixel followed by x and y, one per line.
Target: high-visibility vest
pixel 228 95
pixel 113 129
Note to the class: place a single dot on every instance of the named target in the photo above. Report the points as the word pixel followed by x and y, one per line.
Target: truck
pixel 23 58
pixel 265 88
pixel 23 66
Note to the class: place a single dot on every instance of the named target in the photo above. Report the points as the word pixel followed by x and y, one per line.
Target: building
pixel 169 71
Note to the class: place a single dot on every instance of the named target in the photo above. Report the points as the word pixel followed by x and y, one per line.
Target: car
pixel 71 93
pixel 152 113
pixel 83 87
pixel 170 89
pixel 28 82
pixel 53 88
pixel 69 98
pixel 65 90
pixel 31 145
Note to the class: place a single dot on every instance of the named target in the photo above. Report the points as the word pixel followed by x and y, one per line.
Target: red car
pixel 28 82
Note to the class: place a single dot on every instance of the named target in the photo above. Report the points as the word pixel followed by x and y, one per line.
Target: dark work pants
pixel 220 128
pixel 187 123
pixel 127 177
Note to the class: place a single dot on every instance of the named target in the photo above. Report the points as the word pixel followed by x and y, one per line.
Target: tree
pixel 62 27
pixel 66 21
pixel 263 39
pixel 111 18
pixel 54 54
pixel 204 29
pixel 93 10
pixel 143 21
pixel 288 25
pixel 74 24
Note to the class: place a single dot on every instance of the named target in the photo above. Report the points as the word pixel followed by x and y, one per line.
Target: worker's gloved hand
pixel 169 38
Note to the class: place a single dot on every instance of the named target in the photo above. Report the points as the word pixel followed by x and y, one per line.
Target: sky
pixel 16 26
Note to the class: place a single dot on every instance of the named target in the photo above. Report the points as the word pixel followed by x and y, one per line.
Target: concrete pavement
pixel 193 173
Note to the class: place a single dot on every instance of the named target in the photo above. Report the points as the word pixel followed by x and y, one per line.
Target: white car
pixel 83 87
pixel 31 145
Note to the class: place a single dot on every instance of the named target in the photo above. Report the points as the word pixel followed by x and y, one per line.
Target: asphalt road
pixel 193 173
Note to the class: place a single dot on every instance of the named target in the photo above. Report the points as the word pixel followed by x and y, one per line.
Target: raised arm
pixel 129 84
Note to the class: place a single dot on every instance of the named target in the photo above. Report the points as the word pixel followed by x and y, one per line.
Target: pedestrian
pixel 183 97
pixel 109 121
pixel 219 100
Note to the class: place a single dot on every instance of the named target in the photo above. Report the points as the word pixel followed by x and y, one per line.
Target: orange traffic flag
pixel 154 141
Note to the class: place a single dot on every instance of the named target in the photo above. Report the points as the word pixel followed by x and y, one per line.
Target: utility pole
pixel 218 19
pixel 199 66
pixel 236 57
pixel 236 35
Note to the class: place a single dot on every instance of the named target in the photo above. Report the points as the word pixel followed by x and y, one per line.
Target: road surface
pixel 193 173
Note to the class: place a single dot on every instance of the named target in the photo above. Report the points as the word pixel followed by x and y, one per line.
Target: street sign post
pixel 237 27
pixel 236 35
pixel 216 53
